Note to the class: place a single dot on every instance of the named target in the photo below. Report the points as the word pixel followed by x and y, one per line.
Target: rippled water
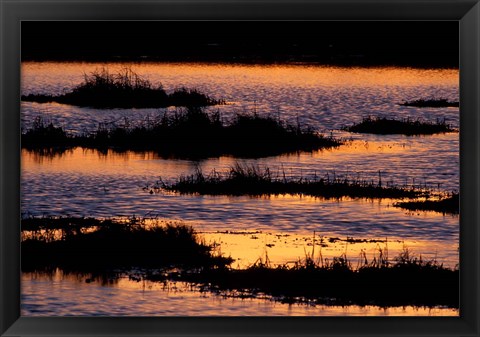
pixel 83 182
pixel 69 295
pixel 324 97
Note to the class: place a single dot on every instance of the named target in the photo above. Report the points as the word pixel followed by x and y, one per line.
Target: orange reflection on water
pixel 393 153
pixel 87 161
pixel 250 247
pixel 289 244
pixel 72 295
pixel 71 74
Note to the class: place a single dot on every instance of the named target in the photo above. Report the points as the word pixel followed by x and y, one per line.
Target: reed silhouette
pixel 385 126
pixel 252 180
pixel 99 246
pixel 46 133
pixel 106 249
pixel 404 280
pixel 189 133
pixel 448 205
pixel 431 103
pixel 126 89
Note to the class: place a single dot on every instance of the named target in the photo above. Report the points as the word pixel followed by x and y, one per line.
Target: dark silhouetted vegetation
pixel 124 90
pixel 450 205
pixel 431 103
pixel 191 133
pixel 98 246
pixel 251 180
pixel 43 135
pixel 385 126
pixel 406 280
pixel 106 249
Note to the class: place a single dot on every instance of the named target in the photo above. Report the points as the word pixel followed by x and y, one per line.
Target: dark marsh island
pixel 254 181
pixel 126 89
pixel 188 133
pixel 409 127
pixel 431 103
pixel 109 249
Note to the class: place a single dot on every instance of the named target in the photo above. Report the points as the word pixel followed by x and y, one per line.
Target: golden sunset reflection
pixel 71 295
pixel 277 230
pixel 283 248
pixel 294 75
pixel 82 160
pixel 112 162
pixel 245 241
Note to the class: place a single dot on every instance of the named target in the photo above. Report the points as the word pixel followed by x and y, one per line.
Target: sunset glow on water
pixel 69 295
pixel 281 228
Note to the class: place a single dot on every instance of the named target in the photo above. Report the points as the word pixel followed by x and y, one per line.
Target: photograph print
pixel 240 168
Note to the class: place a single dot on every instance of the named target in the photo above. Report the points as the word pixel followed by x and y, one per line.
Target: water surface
pixel 81 182
pixel 67 295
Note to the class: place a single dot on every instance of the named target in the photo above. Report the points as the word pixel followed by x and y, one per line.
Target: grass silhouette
pixel 431 103
pixel 450 205
pixel 98 246
pixel 385 126
pixel 104 249
pixel 188 133
pixel 251 180
pixel 126 89
pixel 407 280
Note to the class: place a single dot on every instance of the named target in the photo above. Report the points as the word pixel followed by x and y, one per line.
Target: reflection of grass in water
pixel 108 248
pixel 383 125
pixel 191 133
pixel 450 204
pixel 431 103
pixel 125 89
pixel 65 243
pixel 251 180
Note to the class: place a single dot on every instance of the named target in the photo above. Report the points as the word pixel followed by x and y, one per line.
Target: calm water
pixel 89 183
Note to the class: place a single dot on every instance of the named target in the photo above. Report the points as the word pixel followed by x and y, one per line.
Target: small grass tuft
pixel 448 205
pixel 385 126
pixel 431 103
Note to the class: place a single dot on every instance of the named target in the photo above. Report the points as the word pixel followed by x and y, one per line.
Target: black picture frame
pixel 466 12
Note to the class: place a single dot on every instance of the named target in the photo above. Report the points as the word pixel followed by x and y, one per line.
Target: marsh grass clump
pixel 186 132
pixel 126 89
pixel 407 280
pixel 194 133
pixel 107 249
pixel 431 103
pixel 45 134
pixel 191 98
pixel 99 246
pixel 252 180
pixel 385 126
pixel 266 136
pixel 447 205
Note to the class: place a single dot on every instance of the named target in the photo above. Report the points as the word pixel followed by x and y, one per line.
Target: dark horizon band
pixel 398 43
